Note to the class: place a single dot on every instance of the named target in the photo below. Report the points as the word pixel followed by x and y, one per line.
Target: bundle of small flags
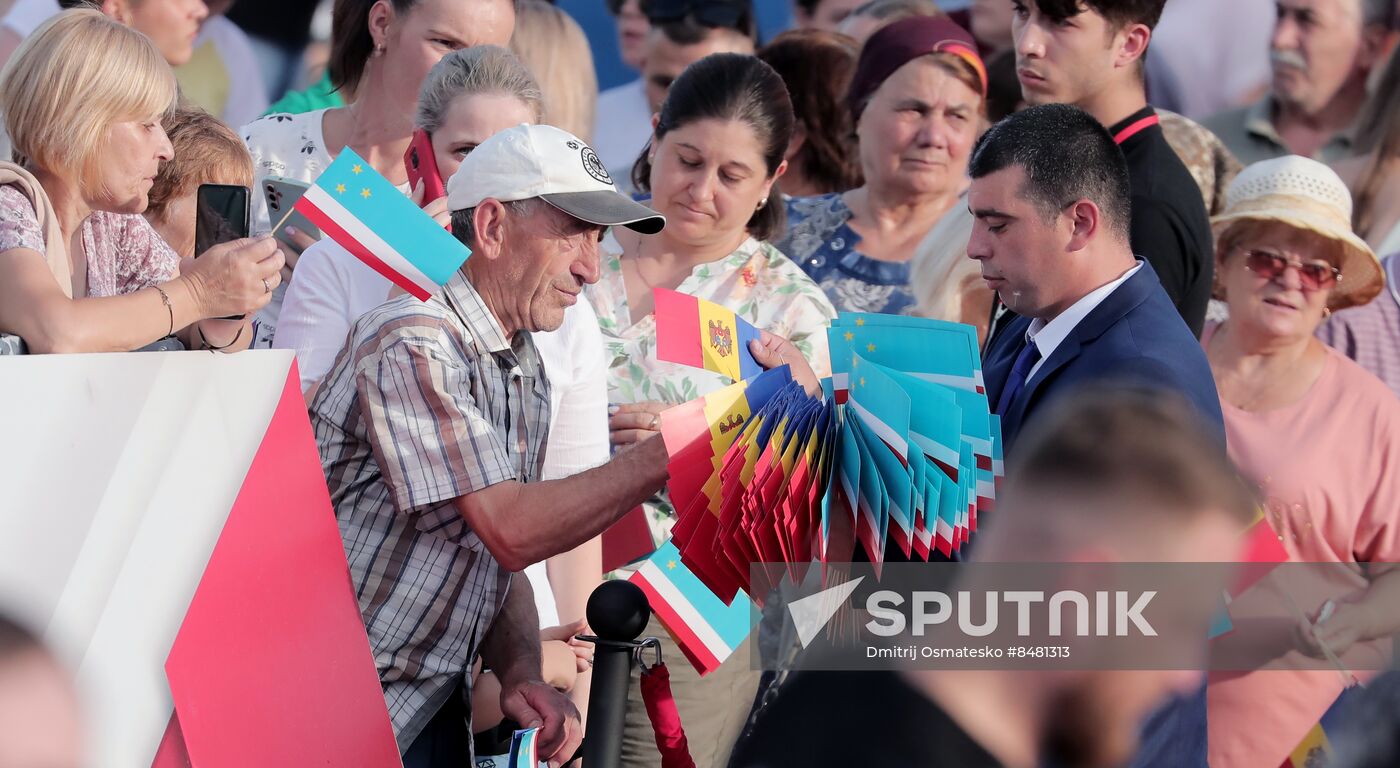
pixel 899 450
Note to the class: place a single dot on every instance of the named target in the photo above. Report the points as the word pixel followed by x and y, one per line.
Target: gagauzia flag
pixel 525 748
pixel 707 630
pixel 901 448
pixel 374 221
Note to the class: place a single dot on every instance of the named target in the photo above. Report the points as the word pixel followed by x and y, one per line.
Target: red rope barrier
pixel 665 719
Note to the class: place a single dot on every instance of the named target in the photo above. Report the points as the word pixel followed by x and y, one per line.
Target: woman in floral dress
pixel 718 147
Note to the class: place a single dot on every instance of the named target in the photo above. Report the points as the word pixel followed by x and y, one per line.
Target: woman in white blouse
pixel 381 53
pixel 468 97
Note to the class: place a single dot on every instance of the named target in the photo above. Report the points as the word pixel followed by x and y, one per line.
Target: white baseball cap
pixel 545 162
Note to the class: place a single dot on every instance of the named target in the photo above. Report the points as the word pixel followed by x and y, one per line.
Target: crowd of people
pixel 1175 225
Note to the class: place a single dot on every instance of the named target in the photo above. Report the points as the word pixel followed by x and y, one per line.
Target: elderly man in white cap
pixel 432 426
pixel 1318 434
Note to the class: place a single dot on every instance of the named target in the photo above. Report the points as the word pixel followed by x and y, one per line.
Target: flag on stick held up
pixel 374 221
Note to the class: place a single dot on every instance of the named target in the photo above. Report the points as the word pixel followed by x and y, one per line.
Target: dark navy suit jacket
pixel 1134 336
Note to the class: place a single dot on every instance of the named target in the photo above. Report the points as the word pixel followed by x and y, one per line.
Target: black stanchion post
pixel 617 612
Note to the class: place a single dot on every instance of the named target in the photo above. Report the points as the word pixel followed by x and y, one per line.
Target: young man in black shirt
pixel 1090 53
pixel 1112 476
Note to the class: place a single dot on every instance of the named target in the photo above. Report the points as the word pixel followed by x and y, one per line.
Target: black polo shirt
pixel 854 720
pixel 1170 226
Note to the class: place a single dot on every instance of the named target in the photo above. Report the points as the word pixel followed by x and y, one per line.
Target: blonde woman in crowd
pixel 80 269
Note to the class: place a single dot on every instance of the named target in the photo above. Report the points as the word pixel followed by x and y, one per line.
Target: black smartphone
pixel 221 215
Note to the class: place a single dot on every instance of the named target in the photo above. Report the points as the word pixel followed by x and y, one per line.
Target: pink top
pixel 1329 469
pixel 124 253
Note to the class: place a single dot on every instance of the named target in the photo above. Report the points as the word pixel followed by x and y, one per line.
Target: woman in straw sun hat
pixel 1313 429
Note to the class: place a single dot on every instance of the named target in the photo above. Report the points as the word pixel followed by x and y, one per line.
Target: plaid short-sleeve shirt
pixel 428 401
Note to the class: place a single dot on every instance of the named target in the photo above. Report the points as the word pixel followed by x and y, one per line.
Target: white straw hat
pixel 1306 195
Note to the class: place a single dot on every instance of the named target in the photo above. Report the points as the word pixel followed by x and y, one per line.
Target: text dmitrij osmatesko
pixel 1034 612
pixel 968 652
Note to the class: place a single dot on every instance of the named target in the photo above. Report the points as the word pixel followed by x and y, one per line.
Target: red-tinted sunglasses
pixel 1312 275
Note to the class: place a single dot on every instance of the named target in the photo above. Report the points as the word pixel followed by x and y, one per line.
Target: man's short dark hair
pixel 1118 13
pixel 1066 156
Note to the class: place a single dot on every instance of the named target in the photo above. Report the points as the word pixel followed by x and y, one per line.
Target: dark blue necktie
pixel 1021 371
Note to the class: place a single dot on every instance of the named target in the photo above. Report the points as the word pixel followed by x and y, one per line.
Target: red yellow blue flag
pixel 703 334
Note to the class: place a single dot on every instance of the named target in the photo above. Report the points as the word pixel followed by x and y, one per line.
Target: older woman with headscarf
pixel 918 98
pixel 1320 435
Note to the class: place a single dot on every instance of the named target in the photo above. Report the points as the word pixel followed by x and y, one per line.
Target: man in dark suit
pixel 1050 193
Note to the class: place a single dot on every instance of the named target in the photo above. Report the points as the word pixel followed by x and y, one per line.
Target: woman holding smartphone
pixel 468 97
pixel 381 52
pixel 80 269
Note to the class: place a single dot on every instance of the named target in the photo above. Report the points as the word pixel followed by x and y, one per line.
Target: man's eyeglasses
pixel 1312 275
pixel 709 13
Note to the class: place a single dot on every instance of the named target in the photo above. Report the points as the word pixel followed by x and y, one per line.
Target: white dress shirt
pixel 1047 336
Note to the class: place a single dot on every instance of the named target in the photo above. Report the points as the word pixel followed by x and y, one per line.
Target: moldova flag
pixel 703 334
pixel 707 630
pixel 698 433
pixel 372 219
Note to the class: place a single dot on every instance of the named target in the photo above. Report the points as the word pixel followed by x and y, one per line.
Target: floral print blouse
pixel 124 253
pixel 756 281
pixel 821 241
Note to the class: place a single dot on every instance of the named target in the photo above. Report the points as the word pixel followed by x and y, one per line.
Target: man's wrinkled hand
pixel 534 704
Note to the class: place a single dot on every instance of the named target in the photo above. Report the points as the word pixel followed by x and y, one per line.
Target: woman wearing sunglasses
pixel 1315 431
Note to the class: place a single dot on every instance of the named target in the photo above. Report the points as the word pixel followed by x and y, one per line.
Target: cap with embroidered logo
pixel 554 165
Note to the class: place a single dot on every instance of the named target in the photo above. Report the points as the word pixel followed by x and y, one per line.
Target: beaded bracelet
pixel 164 297
pixel 205 342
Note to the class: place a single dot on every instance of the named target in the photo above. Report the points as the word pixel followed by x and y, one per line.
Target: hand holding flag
pixel 372 219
